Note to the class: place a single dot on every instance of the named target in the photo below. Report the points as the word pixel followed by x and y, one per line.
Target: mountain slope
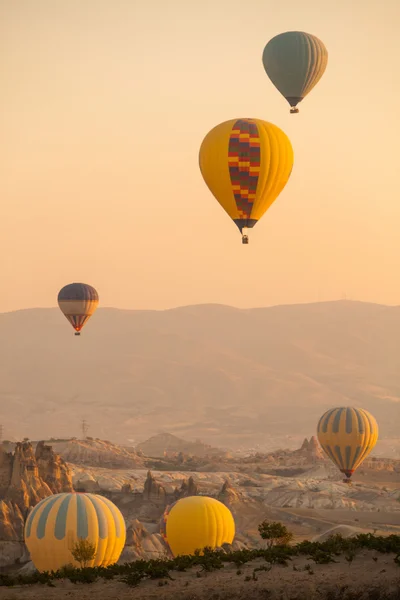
pixel 227 376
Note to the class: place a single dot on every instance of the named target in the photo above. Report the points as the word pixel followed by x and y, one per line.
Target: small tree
pixel 83 552
pixel 275 533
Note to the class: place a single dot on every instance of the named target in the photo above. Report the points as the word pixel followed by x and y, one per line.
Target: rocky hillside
pixel 231 377
pixel 168 445
pixel 26 476
pixel 97 453
pixel 300 488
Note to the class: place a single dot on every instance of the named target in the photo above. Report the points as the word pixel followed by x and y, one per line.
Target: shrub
pixel 275 533
pixel 83 552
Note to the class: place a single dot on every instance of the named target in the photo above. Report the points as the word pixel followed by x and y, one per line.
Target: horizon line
pixel 220 304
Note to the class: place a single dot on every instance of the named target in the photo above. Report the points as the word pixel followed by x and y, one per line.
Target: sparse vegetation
pixel 211 560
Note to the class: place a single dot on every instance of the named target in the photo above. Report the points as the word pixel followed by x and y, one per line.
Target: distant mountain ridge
pixel 229 376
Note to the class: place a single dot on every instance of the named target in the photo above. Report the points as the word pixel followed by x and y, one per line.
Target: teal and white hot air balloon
pixel 295 61
pixel 58 522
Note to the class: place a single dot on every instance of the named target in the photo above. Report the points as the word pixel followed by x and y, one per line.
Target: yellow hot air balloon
pixel 295 61
pixel 58 522
pixel 347 435
pixel 246 163
pixel 78 302
pixel 197 522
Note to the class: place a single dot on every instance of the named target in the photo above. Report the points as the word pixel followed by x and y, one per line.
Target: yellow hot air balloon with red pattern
pixel 246 163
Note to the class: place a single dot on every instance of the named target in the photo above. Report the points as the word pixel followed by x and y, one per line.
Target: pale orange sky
pixel 104 104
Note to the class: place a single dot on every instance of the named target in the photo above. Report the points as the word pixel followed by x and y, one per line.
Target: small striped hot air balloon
pixel 58 522
pixel 347 435
pixel 197 522
pixel 78 302
pixel 246 163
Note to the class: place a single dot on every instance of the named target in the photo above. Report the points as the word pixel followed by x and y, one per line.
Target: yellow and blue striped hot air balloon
pixel 347 435
pixel 197 522
pixel 78 302
pixel 58 522
pixel 246 163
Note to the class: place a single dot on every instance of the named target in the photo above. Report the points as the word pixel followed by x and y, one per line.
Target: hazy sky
pixel 104 104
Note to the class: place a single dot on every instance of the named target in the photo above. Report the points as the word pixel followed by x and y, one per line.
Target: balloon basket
pixel 77 333
pixel 245 239
pixel 347 481
pixel 294 111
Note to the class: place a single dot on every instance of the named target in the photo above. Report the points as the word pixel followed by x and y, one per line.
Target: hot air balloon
pixel 58 522
pixel 347 435
pixel 295 61
pixel 197 522
pixel 163 521
pixel 246 163
pixel 78 302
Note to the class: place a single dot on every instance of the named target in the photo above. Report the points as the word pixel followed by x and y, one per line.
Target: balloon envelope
pixel 57 523
pixel 347 435
pixel 163 521
pixel 295 61
pixel 246 163
pixel 196 522
pixel 78 302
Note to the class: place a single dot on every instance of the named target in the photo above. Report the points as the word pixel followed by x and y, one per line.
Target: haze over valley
pixel 234 378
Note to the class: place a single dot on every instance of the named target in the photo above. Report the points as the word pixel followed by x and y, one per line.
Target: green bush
pixel 83 552
pixel 275 533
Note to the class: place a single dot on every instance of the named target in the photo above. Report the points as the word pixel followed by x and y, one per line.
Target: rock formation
pixel 135 533
pixel 154 500
pixel 305 446
pixel 311 450
pixel 154 492
pixel 314 449
pixel 228 495
pixel 25 478
pixel 126 488
pixel 286 462
pixel 87 484
pixel 11 522
pixel 52 469
pixel 188 488
pixel 141 544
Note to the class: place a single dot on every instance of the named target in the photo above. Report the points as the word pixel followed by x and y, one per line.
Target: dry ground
pixel 281 583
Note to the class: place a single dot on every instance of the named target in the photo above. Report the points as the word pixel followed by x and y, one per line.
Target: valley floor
pixel 370 576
